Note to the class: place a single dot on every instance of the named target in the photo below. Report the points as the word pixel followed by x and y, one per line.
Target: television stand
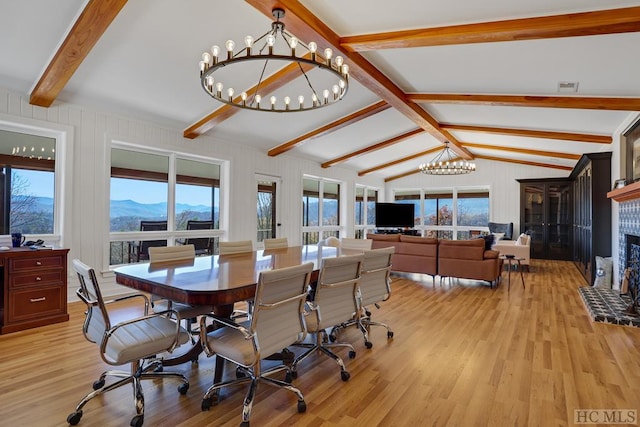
pixel 405 231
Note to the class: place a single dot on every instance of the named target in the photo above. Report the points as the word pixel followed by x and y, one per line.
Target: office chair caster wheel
pixel 389 334
pixel 368 344
pixel 137 421
pixel 97 385
pixel 352 354
pixel 74 418
pixel 294 374
pixel 302 406
pixel 206 404
pixel 288 377
pixel 344 375
pixel 183 388
pixel 244 424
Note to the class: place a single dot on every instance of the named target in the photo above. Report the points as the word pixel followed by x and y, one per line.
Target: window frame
pixel 63 173
pixel 171 234
pixel 324 231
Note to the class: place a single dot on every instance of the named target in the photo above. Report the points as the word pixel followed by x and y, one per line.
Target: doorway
pixel 267 207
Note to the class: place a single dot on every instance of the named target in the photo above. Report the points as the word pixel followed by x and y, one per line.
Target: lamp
pixel 444 164
pixel 326 85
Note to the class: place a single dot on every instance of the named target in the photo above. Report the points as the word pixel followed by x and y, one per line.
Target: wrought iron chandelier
pixel 326 77
pixel 444 164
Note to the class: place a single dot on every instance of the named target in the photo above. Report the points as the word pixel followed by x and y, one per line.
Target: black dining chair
pixel 203 245
pixel 142 247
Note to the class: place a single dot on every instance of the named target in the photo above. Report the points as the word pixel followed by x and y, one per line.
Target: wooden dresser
pixel 34 288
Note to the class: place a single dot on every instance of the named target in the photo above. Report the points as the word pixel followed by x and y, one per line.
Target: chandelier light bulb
pixel 258 98
pixel 342 84
pixel 301 100
pixel 345 69
pixel 203 67
pixel 339 61
pixel 314 98
pixel 210 82
pixel 313 47
pixel 230 92
pixel 335 90
pixel 271 40
pixel 206 57
pixel 215 50
pixel 325 95
pixel 273 102
pixel 230 44
pixel 327 54
pixel 293 42
pixel 248 41
pixel 287 100
pixel 219 87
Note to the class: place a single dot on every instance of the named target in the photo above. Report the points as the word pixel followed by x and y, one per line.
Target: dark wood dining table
pixel 216 280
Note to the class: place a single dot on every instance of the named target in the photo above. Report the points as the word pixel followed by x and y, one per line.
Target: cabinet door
pixel 558 221
pixel 534 213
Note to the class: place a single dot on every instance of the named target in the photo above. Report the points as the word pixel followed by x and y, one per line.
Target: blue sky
pixel 148 192
pixel 41 184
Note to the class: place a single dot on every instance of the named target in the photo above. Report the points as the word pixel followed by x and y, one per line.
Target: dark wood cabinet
pixel 545 214
pixel 591 211
pixel 34 288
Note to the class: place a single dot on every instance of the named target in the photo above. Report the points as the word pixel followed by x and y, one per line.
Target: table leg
pixel 509 276
pixel 521 274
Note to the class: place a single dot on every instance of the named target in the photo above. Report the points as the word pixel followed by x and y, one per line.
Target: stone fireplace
pixel 629 232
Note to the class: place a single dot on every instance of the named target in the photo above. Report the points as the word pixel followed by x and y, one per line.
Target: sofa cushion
pixel 488 241
pixel 461 249
pixel 384 237
pixel 418 239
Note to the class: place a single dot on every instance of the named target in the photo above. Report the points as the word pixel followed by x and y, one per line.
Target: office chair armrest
pixel 128 297
pixel 225 321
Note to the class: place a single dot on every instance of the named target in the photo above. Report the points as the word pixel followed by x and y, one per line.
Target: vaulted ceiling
pixel 489 76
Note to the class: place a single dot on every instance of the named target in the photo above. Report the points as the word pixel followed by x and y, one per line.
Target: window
pixel 320 199
pixel 448 213
pixel 141 214
pixel 365 213
pixel 27 183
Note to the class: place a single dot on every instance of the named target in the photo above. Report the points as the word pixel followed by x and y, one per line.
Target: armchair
pixel 521 248
pixel 136 342
pixel 506 228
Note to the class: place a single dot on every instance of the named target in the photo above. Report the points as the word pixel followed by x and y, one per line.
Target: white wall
pixel 88 202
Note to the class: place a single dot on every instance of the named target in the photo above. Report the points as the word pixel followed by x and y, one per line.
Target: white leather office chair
pixel 277 322
pixel 228 248
pixel 188 313
pixel 334 304
pixel 135 341
pixel 277 243
pixel 358 244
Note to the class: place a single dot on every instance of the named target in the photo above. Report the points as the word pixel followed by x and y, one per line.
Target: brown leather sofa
pixel 465 259
pixel 468 259
pixel 414 254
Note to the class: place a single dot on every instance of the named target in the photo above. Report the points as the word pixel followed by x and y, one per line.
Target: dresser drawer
pixel 19 265
pixel 37 278
pixel 36 303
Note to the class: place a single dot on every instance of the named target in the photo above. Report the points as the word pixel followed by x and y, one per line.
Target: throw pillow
pixel 498 236
pixel 488 241
pixel 522 240
pixel 604 272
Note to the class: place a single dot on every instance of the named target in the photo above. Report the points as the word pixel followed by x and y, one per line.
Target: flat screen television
pixel 394 215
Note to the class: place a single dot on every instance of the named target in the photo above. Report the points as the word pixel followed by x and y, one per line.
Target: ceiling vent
pixel 567 87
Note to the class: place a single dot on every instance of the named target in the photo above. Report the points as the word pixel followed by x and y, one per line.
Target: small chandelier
pixel 327 85
pixel 443 164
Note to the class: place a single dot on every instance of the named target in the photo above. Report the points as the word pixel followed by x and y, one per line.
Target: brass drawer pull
pixel 38 279
pixel 38 299
pixel 38 262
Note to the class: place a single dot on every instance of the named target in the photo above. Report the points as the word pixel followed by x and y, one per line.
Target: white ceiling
pixel 145 66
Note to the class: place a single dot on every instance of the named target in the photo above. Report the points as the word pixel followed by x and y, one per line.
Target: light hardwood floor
pixel 462 355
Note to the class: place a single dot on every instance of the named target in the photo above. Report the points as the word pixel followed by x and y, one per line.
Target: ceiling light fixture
pixel 325 88
pixel 444 164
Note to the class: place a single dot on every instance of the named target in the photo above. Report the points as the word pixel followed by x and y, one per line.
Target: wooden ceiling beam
pixel 372 148
pixel 268 85
pixel 565 136
pixel 85 33
pixel 331 127
pixel 598 22
pixel 306 26
pixel 398 161
pixel 577 102
pixel 527 151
